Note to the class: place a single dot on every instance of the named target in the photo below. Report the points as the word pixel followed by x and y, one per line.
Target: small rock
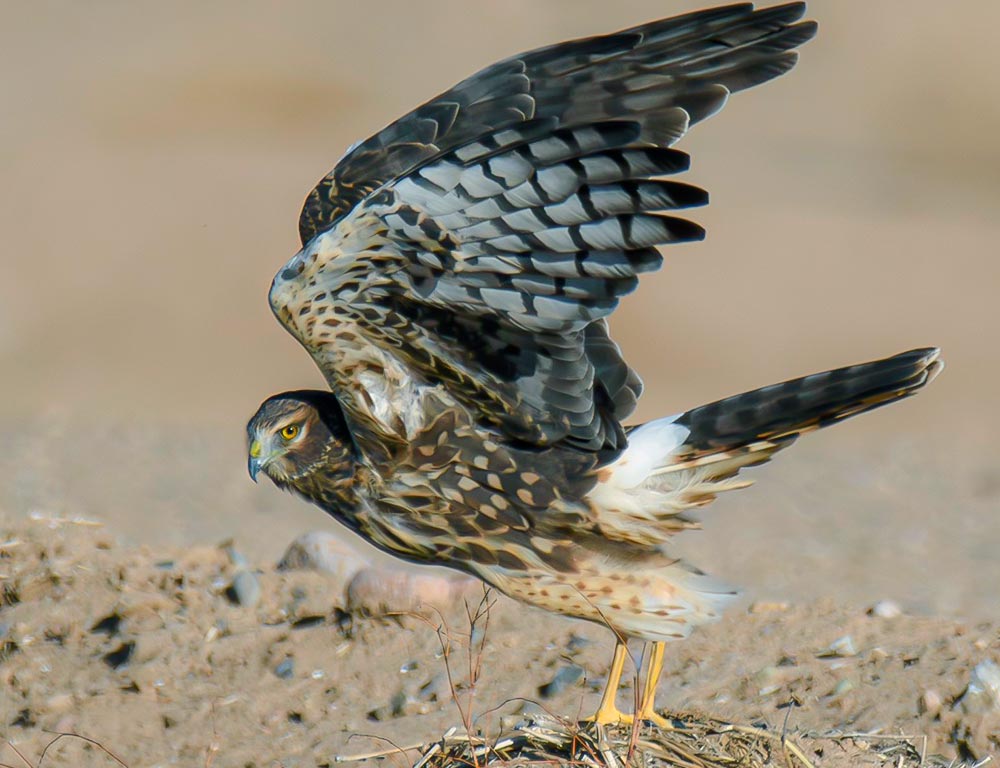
pixel 234 555
pixel 878 654
pixel 886 609
pixel 435 689
pixel 930 702
pixel 381 591
pixel 244 589
pixel 399 705
pixel 577 643
pixel 982 695
pixel 531 709
pixel 844 686
pixel 564 678
pixel 322 551
pixel 285 669
pixel 769 680
pixel 841 647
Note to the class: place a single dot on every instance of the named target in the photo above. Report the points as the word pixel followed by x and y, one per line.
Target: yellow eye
pixel 290 432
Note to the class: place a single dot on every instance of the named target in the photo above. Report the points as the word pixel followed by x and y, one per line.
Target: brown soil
pixel 144 652
pixel 153 165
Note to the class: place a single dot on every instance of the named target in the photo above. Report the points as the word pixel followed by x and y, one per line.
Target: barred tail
pixel 781 412
pixel 683 461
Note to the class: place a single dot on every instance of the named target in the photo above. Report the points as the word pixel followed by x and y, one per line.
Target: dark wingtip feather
pixel 786 410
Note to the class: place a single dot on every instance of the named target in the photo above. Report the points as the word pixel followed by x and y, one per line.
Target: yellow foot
pixel 608 716
pixel 614 716
pixel 658 720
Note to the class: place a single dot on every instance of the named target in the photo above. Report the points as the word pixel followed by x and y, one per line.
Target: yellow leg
pixel 653 671
pixel 607 713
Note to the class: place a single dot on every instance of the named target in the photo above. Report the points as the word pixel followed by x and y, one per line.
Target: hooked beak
pixel 255 462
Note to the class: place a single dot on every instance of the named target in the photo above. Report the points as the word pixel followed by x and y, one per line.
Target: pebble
pixel 244 589
pixel 235 556
pixel 399 705
pixel 381 591
pixel 930 702
pixel 285 669
pixel 842 646
pixel 886 609
pixel 769 680
pixel 577 643
pixel 567 676
pixel 322 551
pixel 982 694
pixel 844 686
pixel 435 689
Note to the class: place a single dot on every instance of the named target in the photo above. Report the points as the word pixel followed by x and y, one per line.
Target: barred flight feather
pixel 530 195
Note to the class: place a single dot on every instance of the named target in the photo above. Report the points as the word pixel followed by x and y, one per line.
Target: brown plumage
pixel 456 274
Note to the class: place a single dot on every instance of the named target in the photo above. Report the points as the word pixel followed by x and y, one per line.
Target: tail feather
pixel 802 405
pixel 683 461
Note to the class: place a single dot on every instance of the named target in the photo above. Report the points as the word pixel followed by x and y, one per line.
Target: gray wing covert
pixel 514 211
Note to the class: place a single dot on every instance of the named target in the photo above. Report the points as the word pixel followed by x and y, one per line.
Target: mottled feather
pixel 478 243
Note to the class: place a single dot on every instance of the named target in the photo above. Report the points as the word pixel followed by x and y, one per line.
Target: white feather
pixel 649 448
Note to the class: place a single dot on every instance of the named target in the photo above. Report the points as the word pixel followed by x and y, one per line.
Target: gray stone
pixel 322 551
pixel 886 609
pixel 244 589
pixel 567 676
pixel 285 669
pixel 842 646
pixel 392 591
pixel 982 694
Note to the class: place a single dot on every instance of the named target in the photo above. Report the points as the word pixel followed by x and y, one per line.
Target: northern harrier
pixel 455 277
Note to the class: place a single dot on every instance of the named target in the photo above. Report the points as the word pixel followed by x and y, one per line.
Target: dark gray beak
pixel 253 467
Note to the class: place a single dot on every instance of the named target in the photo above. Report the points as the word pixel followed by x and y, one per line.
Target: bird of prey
pixel 456 274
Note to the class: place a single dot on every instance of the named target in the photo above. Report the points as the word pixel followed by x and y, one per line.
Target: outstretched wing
pixel 481 240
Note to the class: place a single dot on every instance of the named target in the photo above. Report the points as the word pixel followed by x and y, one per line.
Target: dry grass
pixel 694 742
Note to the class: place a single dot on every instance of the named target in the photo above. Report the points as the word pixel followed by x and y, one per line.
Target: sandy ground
pixel 150 653
pixel 154 159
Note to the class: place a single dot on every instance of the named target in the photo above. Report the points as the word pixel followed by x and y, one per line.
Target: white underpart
pixel 650 447
pixel 645 490
pixel 633 492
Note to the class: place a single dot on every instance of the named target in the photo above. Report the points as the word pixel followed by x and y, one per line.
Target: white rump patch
pixel 649 448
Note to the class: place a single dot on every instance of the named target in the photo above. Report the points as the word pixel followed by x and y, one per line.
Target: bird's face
pixel 290 436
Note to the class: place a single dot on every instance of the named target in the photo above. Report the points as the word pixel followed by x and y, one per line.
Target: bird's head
pixel 297 435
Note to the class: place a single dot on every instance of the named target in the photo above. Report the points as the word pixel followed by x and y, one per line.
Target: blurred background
pixel 154 158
